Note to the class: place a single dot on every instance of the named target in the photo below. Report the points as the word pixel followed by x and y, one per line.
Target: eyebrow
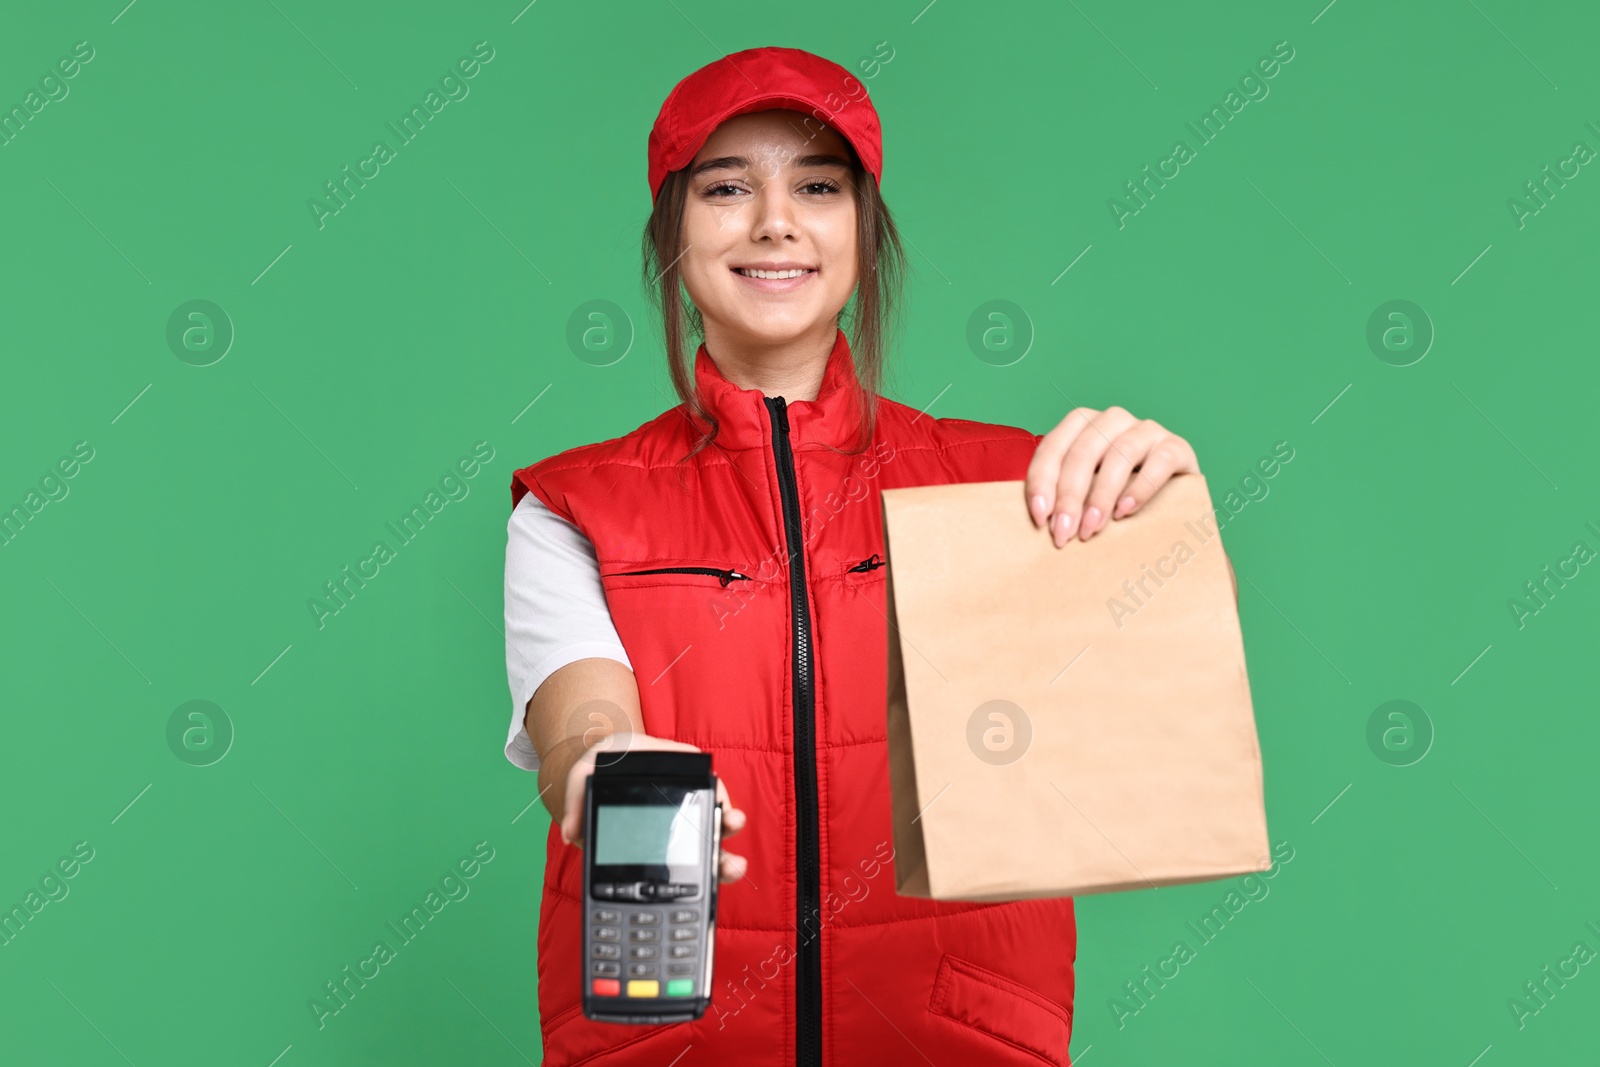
pixel 740 163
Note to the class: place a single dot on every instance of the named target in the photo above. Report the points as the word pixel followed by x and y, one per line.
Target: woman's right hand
pixel 730 867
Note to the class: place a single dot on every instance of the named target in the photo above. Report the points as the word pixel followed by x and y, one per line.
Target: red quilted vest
pixel 778 670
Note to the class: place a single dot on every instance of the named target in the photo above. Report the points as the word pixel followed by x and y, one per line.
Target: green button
pixel 680 987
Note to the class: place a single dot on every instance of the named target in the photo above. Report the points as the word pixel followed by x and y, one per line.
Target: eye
pixel 826 185
pixel 715 190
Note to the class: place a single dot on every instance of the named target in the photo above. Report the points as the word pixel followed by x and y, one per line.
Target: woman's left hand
pixel 1097 466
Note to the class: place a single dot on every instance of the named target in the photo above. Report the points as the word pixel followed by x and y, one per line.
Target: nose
pixel 775 216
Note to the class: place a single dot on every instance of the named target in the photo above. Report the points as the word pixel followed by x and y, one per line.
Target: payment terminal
pixel 652 838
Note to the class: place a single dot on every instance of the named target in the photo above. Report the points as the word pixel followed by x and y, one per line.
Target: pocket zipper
pixel 723 576
pixel 872 562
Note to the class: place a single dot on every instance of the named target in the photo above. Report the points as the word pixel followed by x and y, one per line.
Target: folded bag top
pixel 1065 721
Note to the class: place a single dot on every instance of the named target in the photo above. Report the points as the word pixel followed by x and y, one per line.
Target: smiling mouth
pixel 772 274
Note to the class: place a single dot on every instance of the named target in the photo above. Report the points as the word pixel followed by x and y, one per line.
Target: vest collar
pixel 833 418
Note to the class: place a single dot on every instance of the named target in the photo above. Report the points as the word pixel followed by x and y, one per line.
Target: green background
pixel 372 353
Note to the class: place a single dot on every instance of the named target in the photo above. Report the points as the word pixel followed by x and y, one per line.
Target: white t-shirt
pixel 555 610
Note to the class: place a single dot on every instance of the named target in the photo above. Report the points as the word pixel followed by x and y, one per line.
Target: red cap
pixel 755 80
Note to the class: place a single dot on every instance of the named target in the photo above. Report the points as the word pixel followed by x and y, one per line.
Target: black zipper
pixel 808 968
pixel 871 563
pixel 725 576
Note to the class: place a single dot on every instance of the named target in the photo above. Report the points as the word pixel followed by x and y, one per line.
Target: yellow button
pixel 642 987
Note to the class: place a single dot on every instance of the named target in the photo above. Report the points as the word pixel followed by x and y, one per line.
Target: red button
pixel 607 987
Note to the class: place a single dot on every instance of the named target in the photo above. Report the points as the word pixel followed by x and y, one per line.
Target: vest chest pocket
pixel 661 605
pixel 724 575
pixel 863 573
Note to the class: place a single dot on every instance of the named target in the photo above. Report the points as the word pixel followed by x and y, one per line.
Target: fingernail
pixel 1125 506
pixel 1063 530
pixel 1036 507
pixel 1091 522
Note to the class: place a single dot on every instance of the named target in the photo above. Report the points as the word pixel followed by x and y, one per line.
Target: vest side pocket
pixel 1001 1008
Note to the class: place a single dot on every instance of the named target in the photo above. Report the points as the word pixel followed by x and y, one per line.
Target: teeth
pixel 748 273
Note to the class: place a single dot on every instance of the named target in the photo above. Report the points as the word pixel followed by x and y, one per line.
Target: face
pixel 770 191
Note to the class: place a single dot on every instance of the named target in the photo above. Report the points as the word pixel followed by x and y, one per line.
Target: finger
pixel 733 819
pixel 578 783
pixel 1078 467
pixel 732 867
pixel 572 816
pixel 1124 452
pixel 1039 486
pixel 1169 456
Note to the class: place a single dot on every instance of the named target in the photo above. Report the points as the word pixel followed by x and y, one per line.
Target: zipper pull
pixel 729 575
pixel 779 408
pixel 872 562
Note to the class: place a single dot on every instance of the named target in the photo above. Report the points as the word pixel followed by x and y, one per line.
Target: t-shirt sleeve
pixel 556 610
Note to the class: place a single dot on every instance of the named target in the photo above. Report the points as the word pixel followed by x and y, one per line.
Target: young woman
pixel 714 580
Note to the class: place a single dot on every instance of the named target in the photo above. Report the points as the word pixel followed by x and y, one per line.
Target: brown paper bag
pixel 1065 721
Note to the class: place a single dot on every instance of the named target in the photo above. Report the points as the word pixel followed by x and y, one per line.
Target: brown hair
pixel 872 312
